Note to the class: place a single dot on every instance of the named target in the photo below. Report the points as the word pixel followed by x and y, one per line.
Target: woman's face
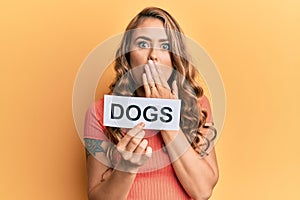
pixel 150 42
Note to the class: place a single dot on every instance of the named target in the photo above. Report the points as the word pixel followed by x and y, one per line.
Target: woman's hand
pixel 156 85
pixel 134 149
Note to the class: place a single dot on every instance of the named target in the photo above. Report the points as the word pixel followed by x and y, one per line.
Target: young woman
pixel 136 163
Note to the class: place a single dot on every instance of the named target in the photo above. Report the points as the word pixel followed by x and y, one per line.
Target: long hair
pixel 192 119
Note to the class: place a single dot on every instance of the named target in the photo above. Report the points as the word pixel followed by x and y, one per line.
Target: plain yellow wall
pixel 255 45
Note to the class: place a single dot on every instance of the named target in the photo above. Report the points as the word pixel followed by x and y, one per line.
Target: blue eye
pixel 143 45
pixel 165 46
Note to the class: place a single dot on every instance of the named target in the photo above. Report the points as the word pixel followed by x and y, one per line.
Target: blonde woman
pixel 152 62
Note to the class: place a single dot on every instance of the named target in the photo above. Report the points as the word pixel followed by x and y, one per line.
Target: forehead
pixel 151 22
pixel 152 28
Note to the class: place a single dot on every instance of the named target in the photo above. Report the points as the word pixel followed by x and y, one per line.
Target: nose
pixel 153 55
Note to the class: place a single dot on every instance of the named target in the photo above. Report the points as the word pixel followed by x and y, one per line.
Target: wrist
pixel 169 135
pixel 127 167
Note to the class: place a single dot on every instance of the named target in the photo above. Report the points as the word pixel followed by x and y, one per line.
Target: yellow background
pixel 255 45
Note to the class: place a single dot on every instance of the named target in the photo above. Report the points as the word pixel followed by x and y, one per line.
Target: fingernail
pixel 142 124
pixel 144 144
pixel 148 151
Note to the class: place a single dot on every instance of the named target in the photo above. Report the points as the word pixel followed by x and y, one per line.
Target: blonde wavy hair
pixel 192 119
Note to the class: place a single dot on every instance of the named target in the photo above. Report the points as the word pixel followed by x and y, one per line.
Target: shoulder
pixel 94 127
pixel 96 109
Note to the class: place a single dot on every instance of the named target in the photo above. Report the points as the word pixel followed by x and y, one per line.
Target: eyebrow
pixel 149 39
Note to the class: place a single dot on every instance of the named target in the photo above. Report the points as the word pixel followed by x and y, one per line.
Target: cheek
pixel 165 59
pixel 137 58
pixel 137 62
pixel 167 65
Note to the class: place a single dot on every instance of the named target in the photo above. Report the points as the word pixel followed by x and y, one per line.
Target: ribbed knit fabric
pixel 156 180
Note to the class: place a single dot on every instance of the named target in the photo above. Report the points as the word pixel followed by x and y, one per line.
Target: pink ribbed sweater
pixel 156 180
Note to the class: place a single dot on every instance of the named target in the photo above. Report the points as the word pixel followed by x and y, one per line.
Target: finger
pixel 162 78
pixel 149 76
pixel 141 147
pixel 135 141
pixel 146 85
pixel 148 151
pixel 139 151
pixel 154 72
pixel 146 156
pixel 151 82
pixel 131 133
pixel 175 89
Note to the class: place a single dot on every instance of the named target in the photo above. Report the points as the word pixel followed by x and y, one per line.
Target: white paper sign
pixel 126 112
